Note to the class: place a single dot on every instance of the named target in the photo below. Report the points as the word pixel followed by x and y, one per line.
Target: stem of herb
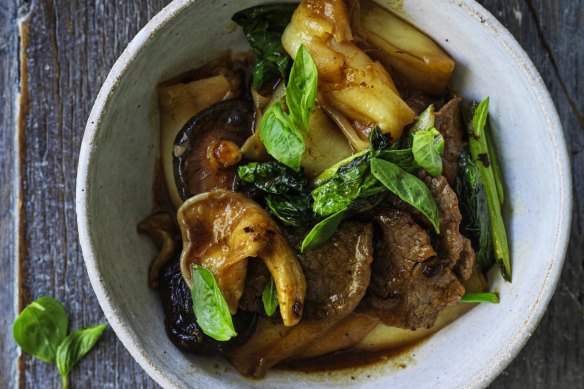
pixel 472 297
pixel 64 381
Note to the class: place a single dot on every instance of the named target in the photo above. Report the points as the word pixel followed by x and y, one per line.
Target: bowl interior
pixel 117 169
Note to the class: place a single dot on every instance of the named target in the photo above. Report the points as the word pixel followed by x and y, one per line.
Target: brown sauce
pixel 350 359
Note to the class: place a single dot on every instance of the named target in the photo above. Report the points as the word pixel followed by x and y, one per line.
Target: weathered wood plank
pixel 8 96
pixel 71 47
pixel 552 34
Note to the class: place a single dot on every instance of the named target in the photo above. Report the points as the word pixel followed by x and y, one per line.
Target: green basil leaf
pixel 322 232
pixel 404 158
pixel 270 297
pixel 425 121
pixel 344 187
pixel 75 346
pixel 282 140
pixel 209 305
pixel 301 88
pixel 407 187
pixel 472 297
pixel 263 27
pixel 272 177
pixel 426 148
pixel 292 209
pixel 41 327
pixel 330 172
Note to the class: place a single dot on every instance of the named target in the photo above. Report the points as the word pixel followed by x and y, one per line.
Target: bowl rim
pixel 472 9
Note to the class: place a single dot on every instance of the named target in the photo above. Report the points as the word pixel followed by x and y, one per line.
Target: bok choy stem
pixel 480 152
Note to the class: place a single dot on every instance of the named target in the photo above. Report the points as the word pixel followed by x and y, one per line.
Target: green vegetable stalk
pixel 476 222
pixel 480 152
pixel 472 297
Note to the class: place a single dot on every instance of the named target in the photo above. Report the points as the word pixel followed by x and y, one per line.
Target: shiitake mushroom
pixel 207 149
pixel 180 322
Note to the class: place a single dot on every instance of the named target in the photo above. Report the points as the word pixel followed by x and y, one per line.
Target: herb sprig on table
pixel 41 331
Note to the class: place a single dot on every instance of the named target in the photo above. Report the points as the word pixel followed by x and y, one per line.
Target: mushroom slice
pixel 207 149
pixel 161 229
pixel 221 230
pixel 348 79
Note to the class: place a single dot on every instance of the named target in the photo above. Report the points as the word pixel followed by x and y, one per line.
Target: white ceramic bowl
pixel 116 169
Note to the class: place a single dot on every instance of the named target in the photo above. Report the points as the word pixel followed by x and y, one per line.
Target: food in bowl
pixel 322 188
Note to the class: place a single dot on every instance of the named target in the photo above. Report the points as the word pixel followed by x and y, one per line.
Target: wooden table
pixel 54 56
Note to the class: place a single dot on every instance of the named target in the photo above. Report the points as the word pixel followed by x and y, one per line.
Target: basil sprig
pixel 41 330
pixel 282 132
pixel 270 297
pixel 209 305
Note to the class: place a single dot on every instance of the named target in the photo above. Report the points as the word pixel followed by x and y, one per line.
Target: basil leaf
pixel 263 27
pixel 74 347
pixel 472 297
pixel 272 177
pixel 426 148
pixel 344 187
pixel 404 158
pixel 292 209
pixel 425 121
pixel 326 175
pixel 209 305
pixel 407 187
pixel 41 327
pixel 270 297
pixel 301 88
pixel 322 232
pixel 282 140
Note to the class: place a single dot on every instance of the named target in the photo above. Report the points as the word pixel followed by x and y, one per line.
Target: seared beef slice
pixel 410 285
pixel 448 122
pixel 453 248
pixel 337 273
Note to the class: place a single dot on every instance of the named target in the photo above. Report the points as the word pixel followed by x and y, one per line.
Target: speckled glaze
pixel 116 169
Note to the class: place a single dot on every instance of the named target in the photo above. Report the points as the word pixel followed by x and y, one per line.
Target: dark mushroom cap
pixel 181 325
pixel 206 150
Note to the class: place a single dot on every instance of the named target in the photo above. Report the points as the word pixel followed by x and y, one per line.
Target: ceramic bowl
pixel 116 170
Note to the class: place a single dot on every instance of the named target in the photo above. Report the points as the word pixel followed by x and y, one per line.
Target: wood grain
pixel 8 205
pixel 70 48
